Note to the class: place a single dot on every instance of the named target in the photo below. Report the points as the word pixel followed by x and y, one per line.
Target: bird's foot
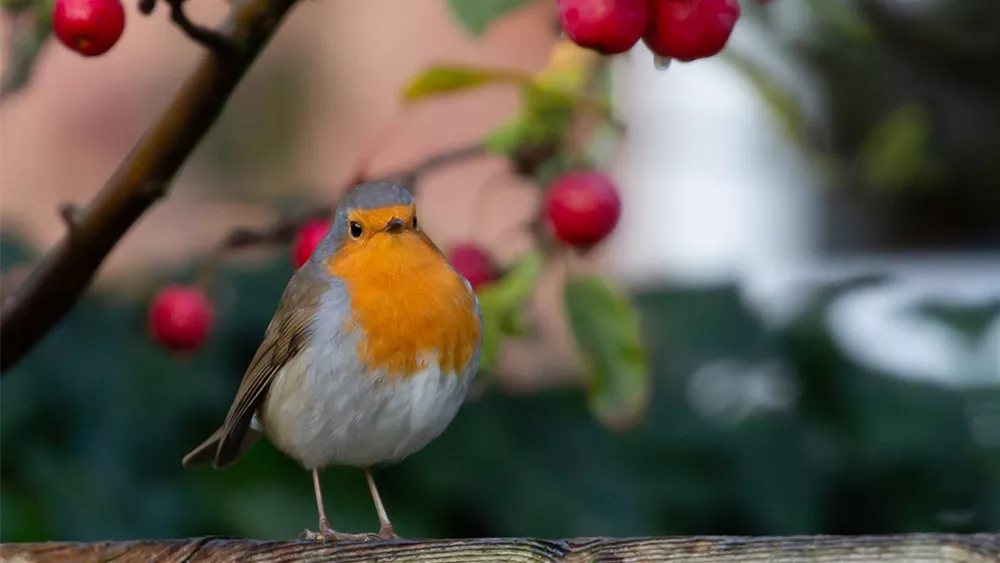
pixel 326 533
pixel 387 533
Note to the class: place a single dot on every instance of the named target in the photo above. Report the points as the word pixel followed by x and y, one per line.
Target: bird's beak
pixel 394 226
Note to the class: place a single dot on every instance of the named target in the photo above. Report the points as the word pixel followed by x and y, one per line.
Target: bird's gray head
pixel 367 209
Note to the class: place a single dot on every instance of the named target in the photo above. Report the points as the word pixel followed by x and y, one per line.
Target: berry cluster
pixel 685 30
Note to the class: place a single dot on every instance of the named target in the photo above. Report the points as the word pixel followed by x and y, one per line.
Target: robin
pixel 369 354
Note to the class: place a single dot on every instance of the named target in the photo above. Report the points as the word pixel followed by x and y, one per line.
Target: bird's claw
pixel 328 534
pixel 387 533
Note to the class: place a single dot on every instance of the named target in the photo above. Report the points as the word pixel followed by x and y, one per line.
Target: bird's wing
pixel 286 336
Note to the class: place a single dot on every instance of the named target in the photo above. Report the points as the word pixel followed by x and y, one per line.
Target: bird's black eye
pixel 356 230
pixel 414 222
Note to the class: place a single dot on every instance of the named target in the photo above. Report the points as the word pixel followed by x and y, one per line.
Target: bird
pixel 368 357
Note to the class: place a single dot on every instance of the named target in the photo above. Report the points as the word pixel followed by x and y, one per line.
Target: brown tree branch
pixel 66 271
pixel 915 548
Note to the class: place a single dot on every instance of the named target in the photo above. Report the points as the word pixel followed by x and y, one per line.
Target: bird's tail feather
pixel 207 450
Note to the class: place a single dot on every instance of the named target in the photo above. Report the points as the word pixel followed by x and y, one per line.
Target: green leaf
pixel 896 152
pixel 444 79
pixel 551 103
pixel 492 338
pixel 477 15
pixel 605 326
pixel 515 287
pixel 501 303
pixel 511 135
pixel 544 117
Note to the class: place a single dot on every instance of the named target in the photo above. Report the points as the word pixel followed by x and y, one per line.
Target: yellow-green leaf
pixel 516 285
pixel 605 327
pixel 444 79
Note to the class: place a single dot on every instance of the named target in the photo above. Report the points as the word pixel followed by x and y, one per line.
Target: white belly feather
pixel 322 408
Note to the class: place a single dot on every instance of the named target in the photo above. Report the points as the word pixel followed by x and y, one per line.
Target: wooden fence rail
pixel 914 548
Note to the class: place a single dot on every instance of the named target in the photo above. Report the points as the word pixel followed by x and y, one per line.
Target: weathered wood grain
pixel 915 548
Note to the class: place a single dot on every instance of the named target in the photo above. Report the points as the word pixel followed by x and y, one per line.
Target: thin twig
pixel 199 34
pixel 409 176
pixel 283 230
pixel 63 275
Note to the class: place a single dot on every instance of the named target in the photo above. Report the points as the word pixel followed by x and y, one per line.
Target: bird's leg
pixel 326 532
pixel 385 526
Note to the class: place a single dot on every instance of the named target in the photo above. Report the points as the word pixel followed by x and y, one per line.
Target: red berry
pixel 607 26
pixel 308 237
pixel 583 207
pixel 474 263
pixel 180 317
pixel 89 27
pixel 690 29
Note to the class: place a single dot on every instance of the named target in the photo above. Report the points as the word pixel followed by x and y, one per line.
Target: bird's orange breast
pixel 408 303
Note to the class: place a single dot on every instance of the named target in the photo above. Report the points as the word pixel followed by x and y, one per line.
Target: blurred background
pixel 811 238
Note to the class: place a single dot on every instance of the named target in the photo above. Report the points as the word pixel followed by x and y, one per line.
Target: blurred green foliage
pixel 909 109
pixel 94 422
pixel 475 16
